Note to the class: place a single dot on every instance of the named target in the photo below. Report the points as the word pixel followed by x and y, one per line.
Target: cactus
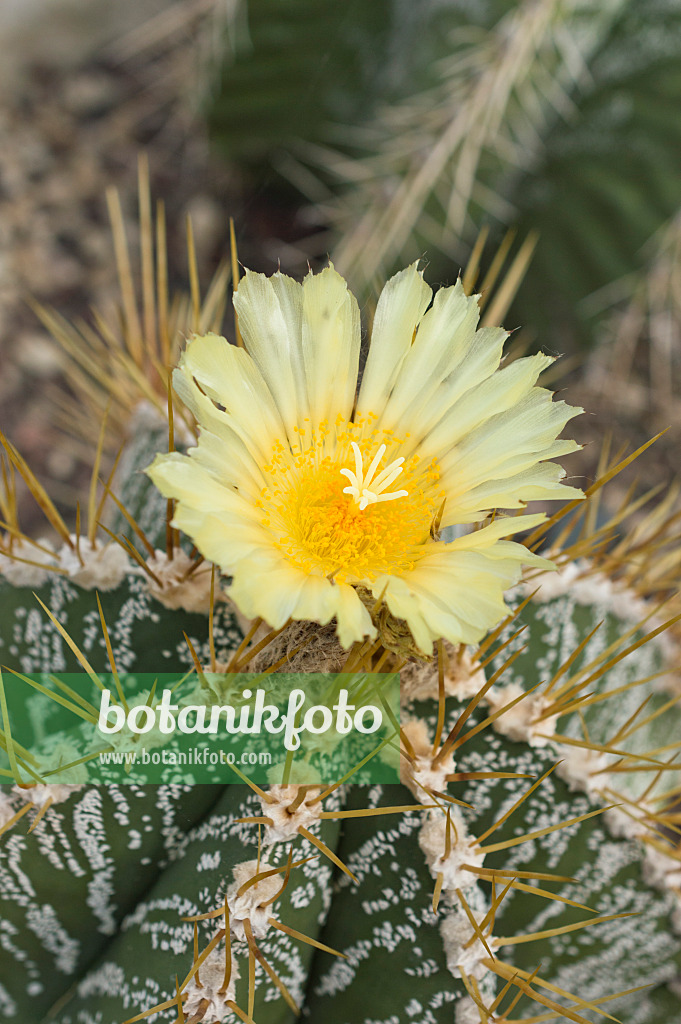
pixel 526 866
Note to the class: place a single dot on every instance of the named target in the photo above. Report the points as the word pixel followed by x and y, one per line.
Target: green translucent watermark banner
pixel 198 728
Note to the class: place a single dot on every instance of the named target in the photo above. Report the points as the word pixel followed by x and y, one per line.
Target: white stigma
pixel 363 487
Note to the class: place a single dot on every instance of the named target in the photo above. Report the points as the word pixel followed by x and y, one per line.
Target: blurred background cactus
pixel 474 892
pixel 424 122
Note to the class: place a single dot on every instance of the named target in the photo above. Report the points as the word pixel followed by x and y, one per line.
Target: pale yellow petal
pixel 459 601
pixel 270 311
pixel 496 394
pixel 269 586
pixel 469 473
pixel 229 376
pixel 457 590
pixel 404 601
pixel 541 482
pixel 443 340
pixel 331 343
pixel 354 621
pixel 305 340
pixel 515 437
pixel 230 462
pixel 232 458
pixel 185 479
pixel 478 363
pixel 222 537
pixel 316 601
pixel 401 305
pixel 503 526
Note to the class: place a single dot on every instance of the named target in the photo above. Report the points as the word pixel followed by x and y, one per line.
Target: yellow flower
pixel 302 490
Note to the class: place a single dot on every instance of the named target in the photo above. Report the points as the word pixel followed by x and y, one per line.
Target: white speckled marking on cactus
pixel 40 648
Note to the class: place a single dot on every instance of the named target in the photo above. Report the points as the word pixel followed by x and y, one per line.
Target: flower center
pixel 353 533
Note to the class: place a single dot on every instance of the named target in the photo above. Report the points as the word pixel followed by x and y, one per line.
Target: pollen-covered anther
pixel 448 846
pixel 463 950
pixel 526 721
pixel 252 902
pixel 324 532
pixel 366 488
pixel 209 995
pixel 289 809
pixel 419 770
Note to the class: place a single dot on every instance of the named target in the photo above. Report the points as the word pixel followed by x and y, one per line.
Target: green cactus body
pixel 104 882
pixel 423 903
pixel 137 970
